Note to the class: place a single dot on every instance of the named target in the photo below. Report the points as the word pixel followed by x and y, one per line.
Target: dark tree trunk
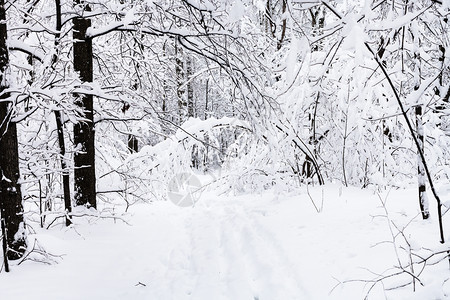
pixel 423 200
pixel 10 194
pixel 60 127
pixel 65 175
pixel 133 144
pixel 84 133
pixel 4 243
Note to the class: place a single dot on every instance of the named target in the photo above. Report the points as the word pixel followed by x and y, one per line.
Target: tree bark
pixel 133 144
pixel 283 25
pixel 60 127
pixel 190 89
pixel 423 200
pixel 206 115
pixel 317 24
pixel 179 71
pixel 10 193
pixel 84 132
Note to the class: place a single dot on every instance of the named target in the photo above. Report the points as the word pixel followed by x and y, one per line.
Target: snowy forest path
pixel 219 249
pixel 229 248
pixel 235 258
pixel 224 253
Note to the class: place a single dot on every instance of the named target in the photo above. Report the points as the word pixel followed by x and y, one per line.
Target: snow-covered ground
pixel 263 246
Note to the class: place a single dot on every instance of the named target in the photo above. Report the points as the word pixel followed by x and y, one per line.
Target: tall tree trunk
pixel 65 170
pixel 317 24
pixel 179 71
pixel 59 125
pixel 84 133
pixel 206 115
pixel 195 159
pixel 10 193
pixel 190 89
pixel 309 166
pixel 165 99
pixel 423 200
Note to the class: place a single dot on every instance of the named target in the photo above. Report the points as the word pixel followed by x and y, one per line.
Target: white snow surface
pixel 263 246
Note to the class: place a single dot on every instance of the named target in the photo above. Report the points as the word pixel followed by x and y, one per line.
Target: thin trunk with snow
pixel 423 200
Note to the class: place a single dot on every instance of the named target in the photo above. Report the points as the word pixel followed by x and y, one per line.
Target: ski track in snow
pixel 229 256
